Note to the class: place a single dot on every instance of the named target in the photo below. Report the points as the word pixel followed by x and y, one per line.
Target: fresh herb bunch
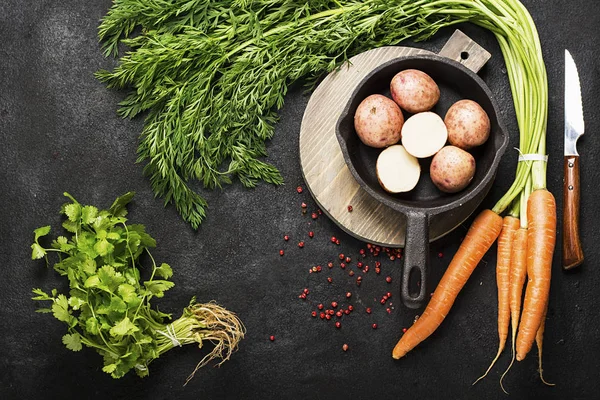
pixel 211 75
pixel 108 305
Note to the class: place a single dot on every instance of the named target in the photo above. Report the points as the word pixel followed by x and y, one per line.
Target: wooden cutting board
pixel 325 172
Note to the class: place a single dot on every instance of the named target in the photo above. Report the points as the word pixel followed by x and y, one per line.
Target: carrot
pixel 505 242
pixel 480 237
pixel 518 272
pixel 541 238
pixel 539 340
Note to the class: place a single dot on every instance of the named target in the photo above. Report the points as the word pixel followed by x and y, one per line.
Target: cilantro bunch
pixel 108 305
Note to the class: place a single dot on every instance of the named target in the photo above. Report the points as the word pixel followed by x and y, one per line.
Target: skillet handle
pixel 416 257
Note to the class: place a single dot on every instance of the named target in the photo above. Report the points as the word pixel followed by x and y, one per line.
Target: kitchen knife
pixel 574 128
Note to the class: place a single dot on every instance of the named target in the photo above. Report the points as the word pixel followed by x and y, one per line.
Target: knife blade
pixel 574 128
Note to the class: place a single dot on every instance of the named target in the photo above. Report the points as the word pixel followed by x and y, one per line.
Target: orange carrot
pixel 539 340
pixel 541 238
pixel 480 237
pixel 505 243
pixel 518 273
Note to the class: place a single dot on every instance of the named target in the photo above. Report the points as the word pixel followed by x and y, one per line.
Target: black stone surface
pixel 59 132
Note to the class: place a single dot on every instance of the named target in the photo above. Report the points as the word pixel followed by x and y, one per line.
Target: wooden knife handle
pixel 572 252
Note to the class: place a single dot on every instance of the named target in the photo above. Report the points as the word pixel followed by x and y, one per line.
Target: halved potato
pixel 397 170
pixel 424 134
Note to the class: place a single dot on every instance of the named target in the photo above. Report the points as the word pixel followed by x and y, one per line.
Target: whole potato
pixel 452 169
pixel 378 121
pixel 468 124
pixel 414 91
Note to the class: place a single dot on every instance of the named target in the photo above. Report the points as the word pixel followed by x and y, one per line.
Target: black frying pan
pixel 430 213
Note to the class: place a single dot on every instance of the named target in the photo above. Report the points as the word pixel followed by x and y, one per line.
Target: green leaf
pixel 158 287
pixel 41 295
pixel 70 226
pixel 60 309
pixel 119 206
pixel 89 266
pixel 117 305
pixel 42 231
pixel 88 214
pixel 164 271
pixel 73 212
pixel 103 247
pixel 37 251
pixel 92 326
pixel 109 368
pixel 128 293
pixel 123 328
pixel 113 236
pixel 72 341
pixel 92 281
pixel 145 238
pixel 76 302
pixel 62 243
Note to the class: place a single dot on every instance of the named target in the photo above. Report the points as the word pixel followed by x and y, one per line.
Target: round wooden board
pixel 327 177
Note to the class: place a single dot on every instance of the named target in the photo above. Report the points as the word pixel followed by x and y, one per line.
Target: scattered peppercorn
pixel 341 256
pixel 301 244
pixel 333 239
pixel 272 338
pixel 345 347
pixel 319 268
pixel 299 189
pixel 342 265
pixel 388 279
pixel 374 326
pixel 338 324
pixel 327 317
pixel 404 330
pixel 339 314
pixel 303 205
pixel 349 208
pixel 329 280
pixel 314 314
pixel 348 295
pixel 334 304
pixel 337 241
pixel 351 273
pixel 311 234
pixel 322 315
pixel 286 238
pixel 348 260
pixel 346 311
pixel 314 216
pixel 440 255
pixel 281 252
pixel 388 294
pixel 368 310
pixel 350 308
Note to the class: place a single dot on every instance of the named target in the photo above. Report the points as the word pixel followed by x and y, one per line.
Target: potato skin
pixel 414 91
pixel 378 121
pixel 468 124
pixel 452 169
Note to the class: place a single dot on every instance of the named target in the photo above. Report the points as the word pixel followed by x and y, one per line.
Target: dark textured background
pixel 59 132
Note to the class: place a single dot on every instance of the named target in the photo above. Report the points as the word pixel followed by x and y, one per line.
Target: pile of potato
pixel 379 123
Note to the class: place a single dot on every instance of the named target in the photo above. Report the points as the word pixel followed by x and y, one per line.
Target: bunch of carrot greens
pixel 527 234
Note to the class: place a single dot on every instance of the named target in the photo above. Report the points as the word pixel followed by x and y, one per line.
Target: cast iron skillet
pixel 429 212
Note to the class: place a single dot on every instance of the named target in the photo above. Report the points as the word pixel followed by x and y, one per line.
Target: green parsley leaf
pixel 60 308
pixel 76 302
pixel 164 271
pixel 37 251
pixel 73 212
pixel 42 231
pixel 123 328
pixel 92 326
pixel 127 293
pixel 103 247
pixel 41 295
pixel 72 341
pixel 119 207
pixel 158 287
pixel 89 214
pixel 109 368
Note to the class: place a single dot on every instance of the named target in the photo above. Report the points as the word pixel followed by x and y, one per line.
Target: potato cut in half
pixel 397 170
pixel 424 134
